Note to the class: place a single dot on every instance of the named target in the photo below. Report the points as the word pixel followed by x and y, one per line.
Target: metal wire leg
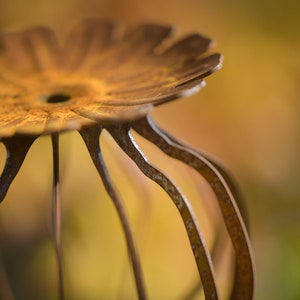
pixel 121 134
pixel 91 139
pixel 244 277
pixel 16 148
pixel 56 213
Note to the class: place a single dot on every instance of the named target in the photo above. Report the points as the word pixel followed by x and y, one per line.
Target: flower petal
pixel 144 39
pixel 187 48
pixel 135 45
pixel 86 41
pixel 28 51
pixel 175 82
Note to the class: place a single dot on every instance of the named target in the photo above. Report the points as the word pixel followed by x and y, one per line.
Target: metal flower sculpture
pixel 99 80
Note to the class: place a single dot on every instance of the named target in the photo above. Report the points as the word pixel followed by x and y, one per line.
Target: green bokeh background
pixel 247 117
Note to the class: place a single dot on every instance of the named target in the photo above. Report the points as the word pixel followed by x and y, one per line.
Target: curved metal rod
pixel 91 138
pixel 16 149
pixel 216 251
pixel 244 278
pixel 227 178
pixel 121 134
pixel 231 185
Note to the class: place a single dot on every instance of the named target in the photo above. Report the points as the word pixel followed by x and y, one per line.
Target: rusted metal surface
pixel 101 76
pixel 98 78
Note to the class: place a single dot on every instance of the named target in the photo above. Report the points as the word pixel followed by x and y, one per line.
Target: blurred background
pixel 247 116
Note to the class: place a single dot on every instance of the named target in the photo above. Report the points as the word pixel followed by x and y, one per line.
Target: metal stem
pixel 56 213
pixel 91 139
pixel 16 148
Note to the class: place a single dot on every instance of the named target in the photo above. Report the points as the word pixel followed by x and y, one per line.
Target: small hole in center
pixel 58 98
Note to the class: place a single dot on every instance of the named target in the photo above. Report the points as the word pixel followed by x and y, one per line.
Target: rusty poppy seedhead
pixel 96 79
pixel 95 75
